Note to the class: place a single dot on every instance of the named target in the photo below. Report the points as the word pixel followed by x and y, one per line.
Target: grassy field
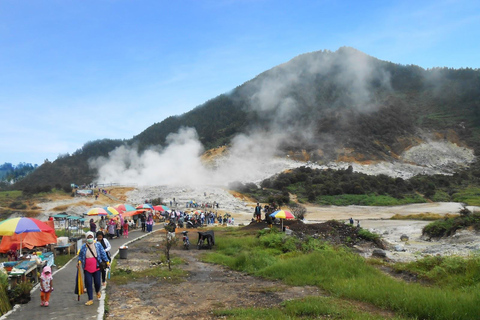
pixel 307 308
pixel 343 274
pixel 428 216
pixel 367 200
pixel 470 196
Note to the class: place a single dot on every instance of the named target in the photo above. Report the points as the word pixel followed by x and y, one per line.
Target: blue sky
pixel 78 71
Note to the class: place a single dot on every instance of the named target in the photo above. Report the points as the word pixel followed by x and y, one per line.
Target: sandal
pixel 89 303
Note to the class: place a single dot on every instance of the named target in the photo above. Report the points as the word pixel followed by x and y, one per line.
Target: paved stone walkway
pixel 63 300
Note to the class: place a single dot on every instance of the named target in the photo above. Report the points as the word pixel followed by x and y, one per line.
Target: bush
pixel 20 294
pixel 157 201
pixel 17 205
pixel 4 301
pixel 448 226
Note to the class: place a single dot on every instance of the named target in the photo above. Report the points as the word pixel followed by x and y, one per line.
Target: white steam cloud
pixel 179 161
pixel 251 157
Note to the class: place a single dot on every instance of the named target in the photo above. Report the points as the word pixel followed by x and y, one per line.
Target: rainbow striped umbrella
pixel 111 211
pixel 97 212
pixel 13 226
pixel 282 214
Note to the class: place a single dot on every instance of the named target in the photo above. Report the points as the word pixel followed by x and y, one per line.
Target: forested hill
pixel 321 103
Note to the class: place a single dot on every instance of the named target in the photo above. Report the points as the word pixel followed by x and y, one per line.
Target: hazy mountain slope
pixel 320 106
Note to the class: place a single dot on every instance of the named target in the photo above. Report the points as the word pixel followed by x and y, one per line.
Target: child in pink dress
pixel 46 286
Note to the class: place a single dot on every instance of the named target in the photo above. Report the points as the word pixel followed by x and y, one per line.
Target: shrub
pixel 4 301
pixel 17 205
pixel 449 226
pixel 21 293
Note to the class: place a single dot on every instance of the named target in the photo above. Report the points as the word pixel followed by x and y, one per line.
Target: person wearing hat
pixel 46 286
pixel 90 256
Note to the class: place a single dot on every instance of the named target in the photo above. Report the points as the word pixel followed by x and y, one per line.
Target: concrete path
pixel 63 300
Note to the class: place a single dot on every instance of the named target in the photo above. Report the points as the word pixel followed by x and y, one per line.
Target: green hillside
pixel 327 101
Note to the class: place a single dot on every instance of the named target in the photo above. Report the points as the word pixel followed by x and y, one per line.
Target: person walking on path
pixel 46 286
pixel 102 224
pixel 121 224
pixel 125 229
pixel 106 246
pixel 93 226
pixel 90 256
pixel 143 219
pixel 150 222
pixel 118 227
pixel 111 229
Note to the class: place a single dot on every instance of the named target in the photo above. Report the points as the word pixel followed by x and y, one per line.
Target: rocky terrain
pixel 430 157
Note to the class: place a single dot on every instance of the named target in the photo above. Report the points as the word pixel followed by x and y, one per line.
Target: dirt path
pixel 206 288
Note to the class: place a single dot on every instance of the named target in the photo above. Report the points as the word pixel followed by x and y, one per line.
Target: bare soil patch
pixel 121 192
pixel 206 288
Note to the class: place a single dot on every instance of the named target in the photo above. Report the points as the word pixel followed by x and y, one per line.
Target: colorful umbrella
pixel 145 206
pixel 13 226
pixel 97 212
pixel 111 211
pixel 161 208
pixel 282 214
pixel 124 207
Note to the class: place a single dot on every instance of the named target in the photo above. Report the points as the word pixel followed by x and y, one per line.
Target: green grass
pixel 10 195
pixel 450 272
pixel 307 308
pixel 62 259
pixel 367 200
pixel 441 196
pixel 428 216
pixel 346 275
pixel 124 276
pixel 470 196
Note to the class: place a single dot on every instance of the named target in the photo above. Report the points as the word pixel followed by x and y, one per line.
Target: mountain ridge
pixel 328 105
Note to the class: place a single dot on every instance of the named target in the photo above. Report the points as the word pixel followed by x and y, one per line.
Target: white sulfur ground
pixel 431 157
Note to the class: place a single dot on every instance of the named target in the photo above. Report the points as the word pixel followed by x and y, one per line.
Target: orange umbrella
pixel 133 213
